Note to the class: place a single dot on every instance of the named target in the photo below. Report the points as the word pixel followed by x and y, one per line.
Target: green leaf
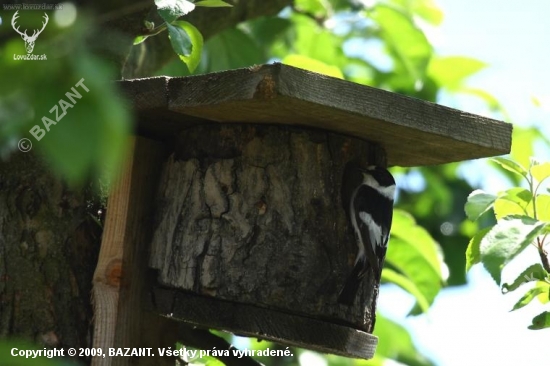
pixel 415 254
pixel 315 7
pixel 451 72
pixel 311 40
pixel 89 138
pixel 108 138
pixel 541 321
pixel 425 9
pixel 267 30
pixel 532 273
pixel 359 71
pixel 511 166
pixel 139 39
pixel 478 203
pixel 223 55
pixel 406 284
pixel 429 11
pixel 180 40
pixel 170 10
pixel 514 201
pixel 491 101
pixel 503 208
pixel 395 342
pixel 407 44
pixel 507 239
pixel 543 207
pixel 194 58
pixel 544 297
pixel 310 64
pixel 524 140
pixel 540 288
pixel 541 171
pixel 473 256
pixel 213 4
pixel 77 147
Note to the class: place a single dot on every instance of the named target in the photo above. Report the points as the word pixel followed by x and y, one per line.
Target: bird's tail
pixel 348 293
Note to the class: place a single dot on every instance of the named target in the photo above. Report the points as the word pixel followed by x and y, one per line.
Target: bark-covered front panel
pixel 252 214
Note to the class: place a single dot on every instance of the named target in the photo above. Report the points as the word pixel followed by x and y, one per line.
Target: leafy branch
pixel 185 38
pixel 523 220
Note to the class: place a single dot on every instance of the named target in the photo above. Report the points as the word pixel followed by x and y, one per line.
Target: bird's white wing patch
pixel 375 231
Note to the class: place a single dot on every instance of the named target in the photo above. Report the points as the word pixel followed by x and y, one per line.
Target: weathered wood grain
pixel 413 132
pixel 252 321
pixel 119 291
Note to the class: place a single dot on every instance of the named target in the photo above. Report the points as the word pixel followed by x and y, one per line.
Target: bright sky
pixel 512 37
pixel 472 325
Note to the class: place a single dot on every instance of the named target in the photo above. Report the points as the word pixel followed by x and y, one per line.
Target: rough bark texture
pixel 48 249
pixel 252 214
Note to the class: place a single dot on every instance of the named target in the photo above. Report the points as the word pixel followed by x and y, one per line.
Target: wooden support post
pixel 120 278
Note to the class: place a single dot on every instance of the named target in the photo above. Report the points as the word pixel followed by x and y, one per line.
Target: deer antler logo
pixel 29 40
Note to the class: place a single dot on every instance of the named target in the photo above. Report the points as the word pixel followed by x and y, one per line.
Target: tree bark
pixel 252 214
pixel 49 242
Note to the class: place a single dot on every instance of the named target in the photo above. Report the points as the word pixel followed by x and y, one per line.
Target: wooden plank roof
pixel 413 132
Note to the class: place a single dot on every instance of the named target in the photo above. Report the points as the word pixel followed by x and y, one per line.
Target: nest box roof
pixel 413 132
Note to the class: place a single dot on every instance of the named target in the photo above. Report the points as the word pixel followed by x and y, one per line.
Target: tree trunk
pixel 49 242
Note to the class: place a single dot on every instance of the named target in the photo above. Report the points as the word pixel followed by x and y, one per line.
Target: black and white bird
pixel 367 197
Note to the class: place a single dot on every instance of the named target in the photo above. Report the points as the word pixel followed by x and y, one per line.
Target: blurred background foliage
pixel 380 43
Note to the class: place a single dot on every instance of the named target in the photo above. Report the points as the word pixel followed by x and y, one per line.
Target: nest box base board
pixel 268 324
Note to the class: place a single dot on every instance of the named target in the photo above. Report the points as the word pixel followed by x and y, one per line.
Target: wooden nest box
pixel 236 197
